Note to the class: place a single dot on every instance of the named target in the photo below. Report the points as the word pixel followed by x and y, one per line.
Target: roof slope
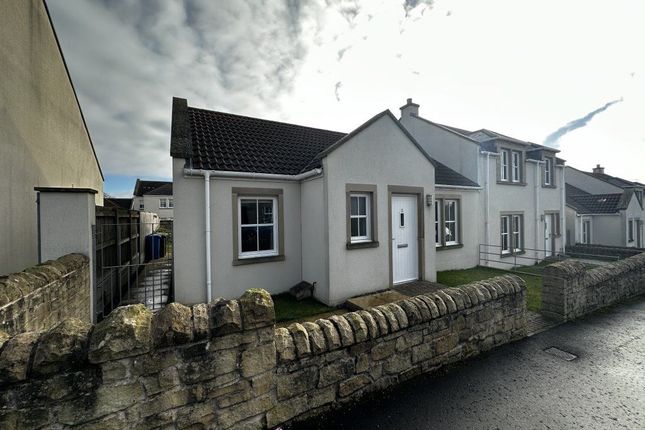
pixel 117 202
pixel 142 187
pixel 596 203
pixel 223 141
pixel 164 190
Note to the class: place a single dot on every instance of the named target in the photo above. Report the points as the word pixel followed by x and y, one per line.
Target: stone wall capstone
pixel 224 365
pixel 41 296
pixel 570 290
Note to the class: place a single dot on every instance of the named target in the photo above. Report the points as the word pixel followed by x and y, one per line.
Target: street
pixel 522 386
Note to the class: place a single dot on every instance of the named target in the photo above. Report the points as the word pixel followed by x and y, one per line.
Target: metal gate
pixel 133 260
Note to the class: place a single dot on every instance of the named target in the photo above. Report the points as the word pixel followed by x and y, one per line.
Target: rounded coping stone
pixel 400 315
pixel 316 337
pixel 300 339
pixel 380 319
pixel 519 283
pixel 344 329
pixel 390 317
pixel 483 291
pixel 476 296
pixel 331 334
pixel 370 322
pixel 62 347
pixel 359 327
pixel 423 308
pixel 438 301
pixel 172 325
pixel 500 291
pixel 472 298
pixel 430 305
pixel 451 306
pixel 284 344
pixel 456 297
pixel 509 284
pixel 491 290
pixel 411 311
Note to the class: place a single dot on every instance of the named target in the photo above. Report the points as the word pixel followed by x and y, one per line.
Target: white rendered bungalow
pixel 268 204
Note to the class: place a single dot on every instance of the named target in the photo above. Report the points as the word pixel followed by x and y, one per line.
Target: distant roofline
pixel 71 83
pixel 446 128
pixel 633 184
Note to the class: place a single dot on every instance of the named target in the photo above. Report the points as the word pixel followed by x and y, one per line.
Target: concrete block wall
pixel 224 365
pixel 44 295
pixel 570 290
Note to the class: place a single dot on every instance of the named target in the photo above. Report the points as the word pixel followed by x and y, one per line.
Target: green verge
pixel 287 308
pixel 453 278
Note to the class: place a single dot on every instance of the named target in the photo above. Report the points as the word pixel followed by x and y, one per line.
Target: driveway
pixel 520 386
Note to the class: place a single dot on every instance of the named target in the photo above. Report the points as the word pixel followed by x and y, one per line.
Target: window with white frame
pixel 141 206
pixel 630 230
pixel 257 231
pixel 548 171
pixel 171 204
pixel 517 233
pixel 446 222
pixel 515 168
pixel 503 174
pixel 360 217
pixel 586 231
pixel 511 232
pixel 450 222
pixel 437 224
pixel 505 235
pixel 163 203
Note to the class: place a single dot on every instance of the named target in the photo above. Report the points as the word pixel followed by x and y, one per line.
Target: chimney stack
pixel 409 109
pixel 598 170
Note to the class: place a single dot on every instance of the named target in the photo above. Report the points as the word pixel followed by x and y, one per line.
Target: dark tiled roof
pixel 228 142
pixel 223 141
pixel 444 175
pixel 164 190
pixel 114 202
pixel 144 187
pixel 575 191
pixel 595 203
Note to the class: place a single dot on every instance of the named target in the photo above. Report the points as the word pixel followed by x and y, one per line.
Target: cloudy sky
pixel 571 74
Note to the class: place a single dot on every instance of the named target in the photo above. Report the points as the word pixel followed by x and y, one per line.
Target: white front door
pixel 548 218
pixel 405 246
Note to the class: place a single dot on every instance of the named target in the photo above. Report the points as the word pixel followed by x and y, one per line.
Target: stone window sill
pixel 362 245
pixel 256 260
pixel 448 247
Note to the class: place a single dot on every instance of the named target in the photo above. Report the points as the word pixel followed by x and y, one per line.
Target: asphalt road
pixel 520 386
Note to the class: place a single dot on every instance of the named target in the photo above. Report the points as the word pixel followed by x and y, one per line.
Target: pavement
pixel 520 386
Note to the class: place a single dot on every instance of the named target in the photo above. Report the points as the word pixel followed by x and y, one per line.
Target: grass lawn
pixel 287 308
pixel 453 278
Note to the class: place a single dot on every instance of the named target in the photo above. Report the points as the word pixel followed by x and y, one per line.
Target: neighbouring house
pixel 604 209
pixel 155 197
pixel 268 204
pixel 512 211
pixel 44 141
pixel 117 202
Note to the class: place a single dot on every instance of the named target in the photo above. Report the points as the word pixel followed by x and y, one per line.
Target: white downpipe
pixel 487 204
pixel 537 212
pixel 253 175
pixel 207 223
pixel 563 218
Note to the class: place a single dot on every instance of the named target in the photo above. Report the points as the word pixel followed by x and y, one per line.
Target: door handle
pixel 402 245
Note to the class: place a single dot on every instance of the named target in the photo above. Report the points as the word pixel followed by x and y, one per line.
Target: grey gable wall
pixel 588 183
pixel 453 150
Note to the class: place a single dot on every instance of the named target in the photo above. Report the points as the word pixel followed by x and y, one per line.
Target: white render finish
pixel 43 139
pixel 315 242
pixel 151 203
pixel 588 183
pixel 482 209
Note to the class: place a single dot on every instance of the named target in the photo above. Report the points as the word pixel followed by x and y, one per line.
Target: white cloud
pixel 522 68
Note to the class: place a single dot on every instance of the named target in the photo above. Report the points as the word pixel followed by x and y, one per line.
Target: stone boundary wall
pixel 569 290
pixel 224 365
pixel 44 295
pixel 585 250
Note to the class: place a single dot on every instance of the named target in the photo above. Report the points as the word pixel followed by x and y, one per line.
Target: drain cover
pixel 563 355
